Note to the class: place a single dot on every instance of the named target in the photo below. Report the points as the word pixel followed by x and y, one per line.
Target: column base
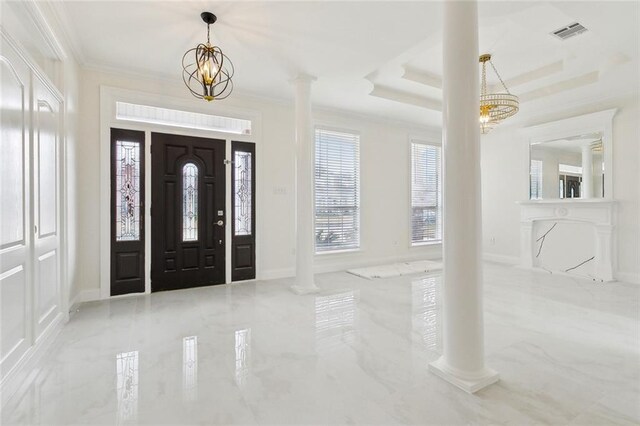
pixel 470 383
pixel 307 289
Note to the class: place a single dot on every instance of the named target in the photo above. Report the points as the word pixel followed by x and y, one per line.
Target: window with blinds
pixel 426 194
pixel 337 190
pixel 535 189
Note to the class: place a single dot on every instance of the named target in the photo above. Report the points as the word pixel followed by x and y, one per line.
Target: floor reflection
pixel 127 387
pixel 336 317
pixel 426 318
pixel 243 355
pixel 190 368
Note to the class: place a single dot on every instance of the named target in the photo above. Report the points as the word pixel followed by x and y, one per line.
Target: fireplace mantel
pixel 600 214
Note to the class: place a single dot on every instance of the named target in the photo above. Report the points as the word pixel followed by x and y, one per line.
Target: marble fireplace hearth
pixel 574 237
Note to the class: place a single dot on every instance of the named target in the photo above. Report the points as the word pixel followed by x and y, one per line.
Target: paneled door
pixel 46 205
pixel 30 254
pixel 187 212
pixel 127 211
pixel 15 291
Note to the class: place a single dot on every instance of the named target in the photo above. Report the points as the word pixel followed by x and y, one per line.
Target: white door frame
pixel 108 98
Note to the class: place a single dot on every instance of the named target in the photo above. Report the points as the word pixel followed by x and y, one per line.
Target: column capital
pixel 303 78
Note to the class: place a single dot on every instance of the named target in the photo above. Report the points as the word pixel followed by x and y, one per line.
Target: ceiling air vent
pixel 569 31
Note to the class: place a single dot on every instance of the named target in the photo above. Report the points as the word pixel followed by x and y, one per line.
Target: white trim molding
pixel 501 258
pixel 45 30
pixel 628 277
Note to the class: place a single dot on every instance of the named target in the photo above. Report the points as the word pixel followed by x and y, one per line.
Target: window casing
pixel 337 191
pixel 426 193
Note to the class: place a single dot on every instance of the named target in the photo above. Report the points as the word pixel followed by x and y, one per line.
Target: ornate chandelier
pixel 209 76
pixel 494 107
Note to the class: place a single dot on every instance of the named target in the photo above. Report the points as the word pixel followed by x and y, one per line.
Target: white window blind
pixel 426 194
pixel 535 189
pixel 337 190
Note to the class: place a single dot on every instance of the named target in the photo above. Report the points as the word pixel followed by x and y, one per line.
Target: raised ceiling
pixel 378 58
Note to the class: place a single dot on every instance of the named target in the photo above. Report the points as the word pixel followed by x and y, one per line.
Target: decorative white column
pixel 586 190
pixel 462 361
pixel 304 187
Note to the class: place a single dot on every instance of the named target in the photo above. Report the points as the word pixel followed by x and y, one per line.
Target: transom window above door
pixel 178 118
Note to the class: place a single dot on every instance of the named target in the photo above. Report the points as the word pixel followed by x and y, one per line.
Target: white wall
pixel 504 183
pixel 384 181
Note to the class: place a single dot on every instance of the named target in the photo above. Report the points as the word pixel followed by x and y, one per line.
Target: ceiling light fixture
pixel 494 107
pixel 209 77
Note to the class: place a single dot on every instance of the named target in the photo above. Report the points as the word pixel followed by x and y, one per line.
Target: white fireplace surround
pixel 598 212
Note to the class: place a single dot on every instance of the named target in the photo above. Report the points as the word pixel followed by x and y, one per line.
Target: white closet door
pixel 46 206
pixel 15 240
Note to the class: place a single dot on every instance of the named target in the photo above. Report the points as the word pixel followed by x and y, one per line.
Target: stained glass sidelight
pixel 127 191
pixel 190 202
pixel 242 206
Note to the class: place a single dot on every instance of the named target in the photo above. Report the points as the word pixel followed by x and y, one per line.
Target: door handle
pixel 220 223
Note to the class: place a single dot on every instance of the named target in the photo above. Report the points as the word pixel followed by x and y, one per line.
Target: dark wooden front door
pixel 127 211
pixel 187 212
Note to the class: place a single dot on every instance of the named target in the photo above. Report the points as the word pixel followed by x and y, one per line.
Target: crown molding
pixel 41 23
pixel 407 98
pixel 72 40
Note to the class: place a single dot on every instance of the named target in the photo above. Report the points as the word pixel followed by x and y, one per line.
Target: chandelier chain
pixel 499 78
pixel 208 40
pixel 483 88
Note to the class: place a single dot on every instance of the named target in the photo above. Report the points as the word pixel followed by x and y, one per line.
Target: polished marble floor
pixel 568 352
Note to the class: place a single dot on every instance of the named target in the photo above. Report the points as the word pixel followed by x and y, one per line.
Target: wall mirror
pixel 571 167
pixel 571 159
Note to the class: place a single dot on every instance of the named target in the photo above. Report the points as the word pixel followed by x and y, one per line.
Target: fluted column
pixel 462 362
pixel 586 190
pixel 304 186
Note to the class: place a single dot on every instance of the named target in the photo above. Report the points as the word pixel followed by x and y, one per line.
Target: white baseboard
pixel 17 378
pixel 276 274
pixel 628 277
pixel 84 296
pixel 500 258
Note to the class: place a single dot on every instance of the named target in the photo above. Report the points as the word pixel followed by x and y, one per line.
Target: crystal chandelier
pixel 494 107
pixel 209 76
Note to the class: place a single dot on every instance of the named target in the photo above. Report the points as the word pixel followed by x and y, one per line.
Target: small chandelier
pixel 209 77
pixel 494 107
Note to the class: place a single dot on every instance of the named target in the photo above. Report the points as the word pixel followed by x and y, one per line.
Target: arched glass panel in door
pixel 189 202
